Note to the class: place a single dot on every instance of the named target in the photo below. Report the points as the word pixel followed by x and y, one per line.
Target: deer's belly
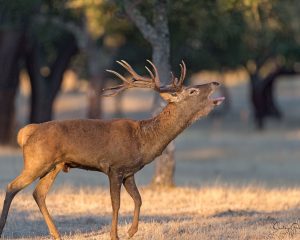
pixel 125 164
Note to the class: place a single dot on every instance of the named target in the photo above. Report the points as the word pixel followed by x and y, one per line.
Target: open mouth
pixel 216 100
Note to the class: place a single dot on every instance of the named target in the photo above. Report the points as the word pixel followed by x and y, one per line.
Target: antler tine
pixel 114 87
pixel 135 81
pixel 156 78
pixel 118 75
pixel 126 65
pixel 134 74
pixel 182 73
pixel 149 71
pixel 174 80
pixel 115 90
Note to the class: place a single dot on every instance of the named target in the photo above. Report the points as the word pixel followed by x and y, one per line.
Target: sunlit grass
pixel 216 212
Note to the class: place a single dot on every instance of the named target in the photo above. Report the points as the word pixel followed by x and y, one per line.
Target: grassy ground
pixel 216 212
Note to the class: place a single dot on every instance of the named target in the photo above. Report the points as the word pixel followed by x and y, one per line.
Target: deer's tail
pixel 25 132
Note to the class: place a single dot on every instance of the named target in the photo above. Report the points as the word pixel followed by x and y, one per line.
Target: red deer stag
pixel 119 148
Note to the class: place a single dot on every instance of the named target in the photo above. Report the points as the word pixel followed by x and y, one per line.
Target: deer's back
pixel 86 143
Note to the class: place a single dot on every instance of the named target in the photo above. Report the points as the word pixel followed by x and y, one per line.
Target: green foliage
pixel 207 33
pixel 222 34
pixel 215 34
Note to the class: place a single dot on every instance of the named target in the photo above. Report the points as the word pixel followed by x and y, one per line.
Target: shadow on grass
pixel 23 226
pixel 269 219
pixel 237 213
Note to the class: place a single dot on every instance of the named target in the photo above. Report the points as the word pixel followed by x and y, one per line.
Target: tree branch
pixel 78 32
pixel 67 50
pixel 281 71
pixel 147 30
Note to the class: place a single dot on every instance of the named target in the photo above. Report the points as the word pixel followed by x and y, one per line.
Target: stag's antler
pixel 138 81
pixel 135 80
pixel 177 83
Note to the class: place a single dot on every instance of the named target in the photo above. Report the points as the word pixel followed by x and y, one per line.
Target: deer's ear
pixel 170 97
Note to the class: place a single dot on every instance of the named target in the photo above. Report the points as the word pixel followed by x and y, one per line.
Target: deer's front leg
pixel 130 186
pixel 115 182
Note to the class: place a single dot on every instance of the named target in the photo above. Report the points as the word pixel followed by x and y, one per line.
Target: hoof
pixel 114 237
pixel 132 231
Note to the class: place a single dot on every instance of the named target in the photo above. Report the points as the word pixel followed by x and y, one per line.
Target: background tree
pixel 269 43
pixel 14 20
pixel 38 48
pixel 99 34
pixel 156 32
pixel 255 35
pixel 48 54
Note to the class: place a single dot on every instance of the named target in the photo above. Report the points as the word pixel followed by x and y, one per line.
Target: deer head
pixel 197 96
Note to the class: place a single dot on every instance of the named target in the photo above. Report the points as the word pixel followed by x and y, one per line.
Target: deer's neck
pixel 159 131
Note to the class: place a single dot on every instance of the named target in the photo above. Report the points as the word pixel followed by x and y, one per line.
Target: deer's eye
pixel 193 91
pixel 174 94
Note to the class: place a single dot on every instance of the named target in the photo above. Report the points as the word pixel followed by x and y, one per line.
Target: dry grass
pixel 216 212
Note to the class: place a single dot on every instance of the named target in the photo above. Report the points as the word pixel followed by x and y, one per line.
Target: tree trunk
pixel 41 103
pixel 118 106
pixel 94 97
pixel 257 101
pixel 95 71
pixel 157 34
pixel 271 108
pixel 165 164
pixel 44 89
pixel 269 89
pixel 262 95
pixel 10 52
pixel 99 58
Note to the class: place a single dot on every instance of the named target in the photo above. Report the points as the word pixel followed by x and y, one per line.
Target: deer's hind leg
pixel 39 196
pixel 22 181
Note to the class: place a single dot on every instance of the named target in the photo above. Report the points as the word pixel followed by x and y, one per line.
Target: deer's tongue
pixel 218 100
